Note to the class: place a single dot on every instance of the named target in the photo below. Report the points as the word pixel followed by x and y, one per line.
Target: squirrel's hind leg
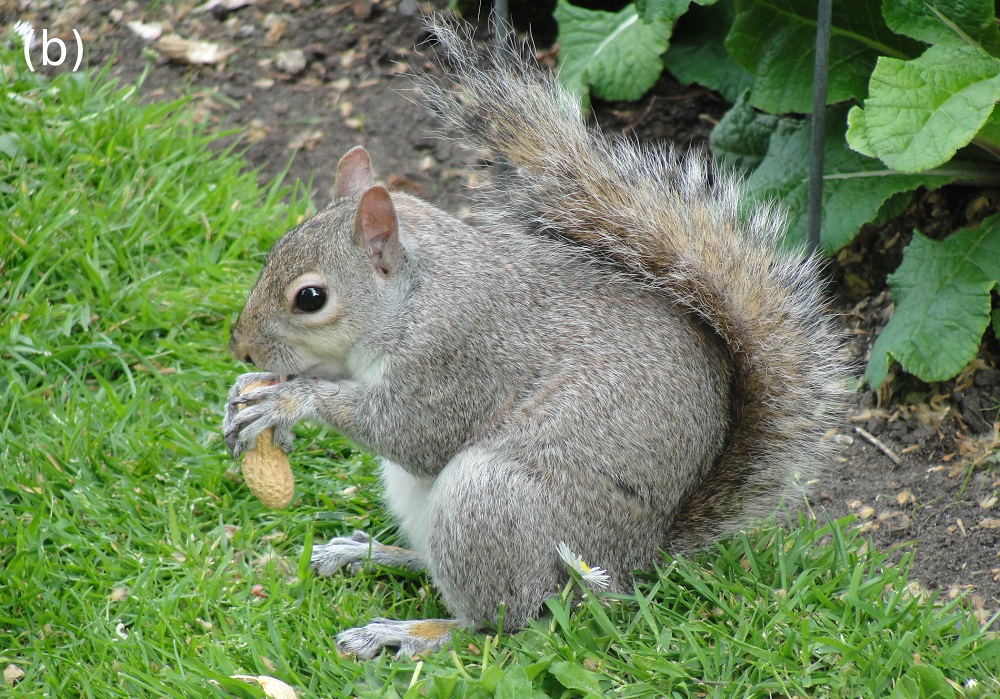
pixel 359 548
pixel 495 523
pixel 411 637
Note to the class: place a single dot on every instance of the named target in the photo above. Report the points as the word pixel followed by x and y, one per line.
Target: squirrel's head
pixel 324 282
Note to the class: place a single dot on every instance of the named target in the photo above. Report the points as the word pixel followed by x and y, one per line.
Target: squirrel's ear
pixel 376 230
pixel 354 174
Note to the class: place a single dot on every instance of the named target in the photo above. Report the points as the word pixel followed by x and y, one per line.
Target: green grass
pixel 126 249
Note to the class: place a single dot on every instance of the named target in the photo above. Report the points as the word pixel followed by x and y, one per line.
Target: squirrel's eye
pixel 310 299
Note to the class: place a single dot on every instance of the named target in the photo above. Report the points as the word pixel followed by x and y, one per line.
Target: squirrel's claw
pixel 238 424
pixel 279 405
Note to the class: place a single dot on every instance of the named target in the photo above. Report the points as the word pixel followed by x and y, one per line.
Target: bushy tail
pixel 663 219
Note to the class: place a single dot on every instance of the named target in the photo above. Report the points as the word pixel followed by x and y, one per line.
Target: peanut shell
pixel 266 470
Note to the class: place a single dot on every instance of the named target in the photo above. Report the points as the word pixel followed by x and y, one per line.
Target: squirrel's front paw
pixel 279 405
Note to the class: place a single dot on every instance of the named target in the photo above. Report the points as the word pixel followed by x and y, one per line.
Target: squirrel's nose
pixel 237 347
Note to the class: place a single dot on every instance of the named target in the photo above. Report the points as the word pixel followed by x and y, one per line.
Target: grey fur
pixel 577 370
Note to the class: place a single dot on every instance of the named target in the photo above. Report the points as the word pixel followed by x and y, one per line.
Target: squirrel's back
pixel 677 228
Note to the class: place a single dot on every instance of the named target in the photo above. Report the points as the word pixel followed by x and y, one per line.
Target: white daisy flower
pixel 25 31
pixel 595 577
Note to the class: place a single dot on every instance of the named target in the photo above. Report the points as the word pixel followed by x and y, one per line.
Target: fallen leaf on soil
pixel 402 183
pixel 191 51
pixel 146 32
pixel 274 688
pixel 260 563
pixel 291 62
pixel 362 9
pixel 905 497
pixel 12 674
pixel 917 592
pixel 227 5
pixel 276 25
pixel 987 503
pixel 895 520
pixel 306 140
pixel 350 58
pixel 865 512
pixel 990 523
pixel 256 131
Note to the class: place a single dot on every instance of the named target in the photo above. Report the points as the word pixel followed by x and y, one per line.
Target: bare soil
pixel 309 80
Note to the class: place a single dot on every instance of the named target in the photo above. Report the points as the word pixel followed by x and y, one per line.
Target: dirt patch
pixel 313 79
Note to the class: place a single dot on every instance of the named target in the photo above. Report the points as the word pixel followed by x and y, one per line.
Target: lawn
pixel 135 563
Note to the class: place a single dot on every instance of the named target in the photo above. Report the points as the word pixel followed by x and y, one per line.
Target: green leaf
pixel 698 54
pixel 942 294
pixel 920 112
pixel 10 144
pixel 615 54
pixel 775 41
pixel 741 138
pixel 855 187
pixel 950 23
pixel 923 682
pixel 988 137
pixel 514 685
pixel 857 132
pixel 906 688
pixel 669 10
pixel 574 676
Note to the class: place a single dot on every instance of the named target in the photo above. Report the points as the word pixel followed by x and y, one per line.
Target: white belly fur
pixel 408 498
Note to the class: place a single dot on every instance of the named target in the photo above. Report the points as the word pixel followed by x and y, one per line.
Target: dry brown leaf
pixel 990 523
pixel 404 183
pixel 988 502
pixel 256 131
pixel 146 32
pixel 362 9
pixel 276 26
pixel 340 84
pixel 12 674
pixel 191 51
pixel 273 688
pixel 865 512
pixel 905 497
pixel 306 140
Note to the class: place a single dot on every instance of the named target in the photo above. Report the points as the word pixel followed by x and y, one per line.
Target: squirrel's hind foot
pixel 355 550
pixel 412 638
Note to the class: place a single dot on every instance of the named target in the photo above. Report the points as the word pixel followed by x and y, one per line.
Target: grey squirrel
pixel 615 359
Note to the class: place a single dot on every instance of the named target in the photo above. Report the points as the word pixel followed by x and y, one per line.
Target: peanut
pixel 266 470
